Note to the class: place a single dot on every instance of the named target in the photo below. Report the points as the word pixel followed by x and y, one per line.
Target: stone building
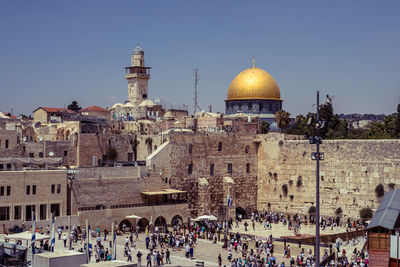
pixel 41 191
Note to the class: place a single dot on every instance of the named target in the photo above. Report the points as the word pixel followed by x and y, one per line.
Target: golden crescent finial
pixel 254 62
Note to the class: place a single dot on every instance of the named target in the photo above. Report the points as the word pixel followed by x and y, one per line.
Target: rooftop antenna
pixel 196 80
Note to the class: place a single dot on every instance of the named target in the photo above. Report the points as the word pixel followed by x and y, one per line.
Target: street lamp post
pixel 317 245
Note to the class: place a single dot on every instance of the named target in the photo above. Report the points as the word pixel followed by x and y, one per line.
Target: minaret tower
pixel 138 78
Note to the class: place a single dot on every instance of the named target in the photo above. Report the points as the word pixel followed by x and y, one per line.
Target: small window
pixel 248 167
pixel 33 189
pixel 8 190
pixel 190 149
pixel 4 213
pixel 58 188
pixel 230 168
pixel 9 167
pixel 220 146
pixel 212 169
pixel 55 208
pixel 40 154
pixel 2 191
pixel 246 150
pixel 6 143
pixel 53 188
pixel 28 189
pixel 190 168
pixel 17 212
pixel 31 155
pixel 65 153
pixel 1 167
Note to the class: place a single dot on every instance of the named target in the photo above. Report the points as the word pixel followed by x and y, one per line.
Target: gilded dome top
pixel 254 83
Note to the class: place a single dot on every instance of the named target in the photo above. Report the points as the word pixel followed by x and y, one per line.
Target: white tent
pixel 206 217
pixel 27 236
pixel 133 217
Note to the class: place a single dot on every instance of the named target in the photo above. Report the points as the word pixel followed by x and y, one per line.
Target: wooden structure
pixel 385 225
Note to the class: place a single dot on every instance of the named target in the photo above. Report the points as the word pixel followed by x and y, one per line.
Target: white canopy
pixel 133 217
pixel 206 217
pixel 27 236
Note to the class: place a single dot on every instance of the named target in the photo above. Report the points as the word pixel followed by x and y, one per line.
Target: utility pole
pixel 317 156
pixel 196 80
pixel 317 245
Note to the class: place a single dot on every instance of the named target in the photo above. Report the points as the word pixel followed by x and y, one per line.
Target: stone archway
pixel 161 223
pixel 176 220
pixel 241 211
pixel 127 223
pixel 143 223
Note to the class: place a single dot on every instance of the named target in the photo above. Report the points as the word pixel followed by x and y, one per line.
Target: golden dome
pixel 254 83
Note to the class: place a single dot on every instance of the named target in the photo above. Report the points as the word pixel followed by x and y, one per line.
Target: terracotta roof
pixel 55 110
pixel 94 108
pixel 10 115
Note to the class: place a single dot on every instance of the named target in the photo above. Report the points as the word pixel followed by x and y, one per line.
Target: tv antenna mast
pixel 196 80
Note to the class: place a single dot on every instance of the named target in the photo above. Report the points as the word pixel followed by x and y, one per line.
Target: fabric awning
pixel 206 217
pixel 163 192
pixel 27 236
pixel 133 217
pixel 52 160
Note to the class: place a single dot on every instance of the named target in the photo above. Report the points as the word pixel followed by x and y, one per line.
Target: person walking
pixel 130 255
pixel 65 240
pixel 167 259
pixel 148 258
pixel 139 258
pixel 219 260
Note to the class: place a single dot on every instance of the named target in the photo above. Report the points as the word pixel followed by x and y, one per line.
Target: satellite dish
pixel 51 154
pixel 40 138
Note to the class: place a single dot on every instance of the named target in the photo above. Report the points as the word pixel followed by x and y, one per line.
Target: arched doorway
pixel 241 211
pixel 176 220
pixel 142 223
pixel 125 225
pixel 161 223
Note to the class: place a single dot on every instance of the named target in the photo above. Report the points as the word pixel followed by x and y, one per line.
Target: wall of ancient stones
pixel 200 151
pixel 349 174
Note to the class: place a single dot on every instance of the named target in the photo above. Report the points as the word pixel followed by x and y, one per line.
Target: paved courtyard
pixel 207 251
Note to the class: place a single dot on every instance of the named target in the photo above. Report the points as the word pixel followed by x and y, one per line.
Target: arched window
pixel 190 168
pixel 220 146
pixel 190 149
pixel 246 150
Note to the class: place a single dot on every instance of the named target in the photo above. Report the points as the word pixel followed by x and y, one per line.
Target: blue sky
pixel 53 52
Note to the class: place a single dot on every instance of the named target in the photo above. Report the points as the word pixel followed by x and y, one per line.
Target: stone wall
pixel 205 151
pixel 117 187
pixel 349 174
pixel 97 145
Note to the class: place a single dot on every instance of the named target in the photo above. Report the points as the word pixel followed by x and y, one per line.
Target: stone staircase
pixel 378 258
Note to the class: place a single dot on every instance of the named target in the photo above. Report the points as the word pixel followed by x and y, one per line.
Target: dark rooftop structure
pixel 387 215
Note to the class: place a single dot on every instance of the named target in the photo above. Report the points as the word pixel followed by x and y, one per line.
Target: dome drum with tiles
pixel 253 91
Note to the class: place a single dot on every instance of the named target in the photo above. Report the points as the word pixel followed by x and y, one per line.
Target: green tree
pixel 366 213
pixel 282 119
pixel 265 127
pixel 74 106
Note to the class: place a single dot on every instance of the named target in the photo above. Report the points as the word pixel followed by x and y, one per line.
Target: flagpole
pixel 53 234
pixel 114 243
pixel 33 235
pixel 86 242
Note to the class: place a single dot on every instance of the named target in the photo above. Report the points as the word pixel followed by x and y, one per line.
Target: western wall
pixel 349 174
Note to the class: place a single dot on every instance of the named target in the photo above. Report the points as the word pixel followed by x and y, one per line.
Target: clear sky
pixel 53 52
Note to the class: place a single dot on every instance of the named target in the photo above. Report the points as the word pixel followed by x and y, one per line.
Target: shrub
pixel 392 186
pixel 285 189
pixel 312 210
pixel 299 181
pixel 379 190
pixel 338 211
pixel 112 153
pixel 290 182
pixel 366 213
pixel 291 197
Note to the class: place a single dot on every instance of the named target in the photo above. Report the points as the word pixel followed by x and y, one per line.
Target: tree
pixel 379 190
pixel 312 210
pixel 265 127
pixel 74 106
pixel 112 153
pixel 338 211
pixel 366 213
pixel 282 119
